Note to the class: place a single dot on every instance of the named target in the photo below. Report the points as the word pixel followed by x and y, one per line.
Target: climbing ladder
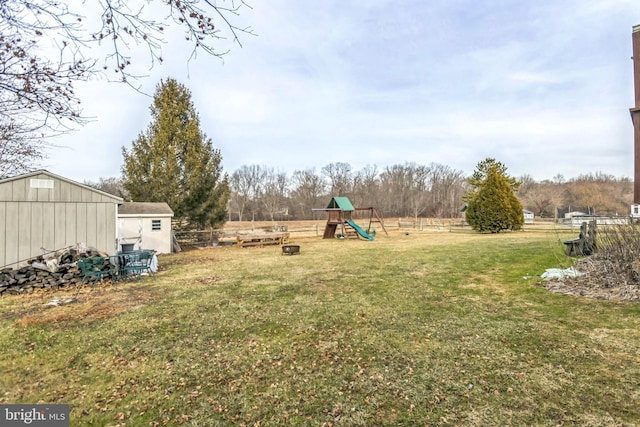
pixel 350 232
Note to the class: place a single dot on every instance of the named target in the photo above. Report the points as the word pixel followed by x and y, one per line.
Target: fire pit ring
pixel 290 249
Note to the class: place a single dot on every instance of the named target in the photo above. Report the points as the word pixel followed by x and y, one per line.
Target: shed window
pixel 41 183
pixel 156 224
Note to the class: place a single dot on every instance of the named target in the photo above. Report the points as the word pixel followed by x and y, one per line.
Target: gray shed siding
pixel 34 220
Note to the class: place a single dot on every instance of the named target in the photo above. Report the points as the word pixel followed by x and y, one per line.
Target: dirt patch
pixel 101 303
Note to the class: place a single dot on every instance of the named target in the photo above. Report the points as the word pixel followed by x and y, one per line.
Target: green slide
pixel 360 230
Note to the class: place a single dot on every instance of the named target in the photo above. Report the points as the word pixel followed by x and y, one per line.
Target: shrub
pixel 492 205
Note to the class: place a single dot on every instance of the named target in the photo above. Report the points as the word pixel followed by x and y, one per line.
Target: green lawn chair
pixel 92 270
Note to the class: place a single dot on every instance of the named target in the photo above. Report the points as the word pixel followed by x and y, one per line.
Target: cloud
pixel 543 87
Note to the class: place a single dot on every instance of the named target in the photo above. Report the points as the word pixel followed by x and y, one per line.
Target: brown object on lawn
pixel 290 249
pixel 263 239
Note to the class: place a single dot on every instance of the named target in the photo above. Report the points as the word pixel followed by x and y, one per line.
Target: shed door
pixel 130 231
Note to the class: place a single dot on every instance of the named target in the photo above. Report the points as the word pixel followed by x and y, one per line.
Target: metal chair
pixel 92 269
pixel 136 263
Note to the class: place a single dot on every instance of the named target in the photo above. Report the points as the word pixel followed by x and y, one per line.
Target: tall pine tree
pixel 492 205
pixel 173 161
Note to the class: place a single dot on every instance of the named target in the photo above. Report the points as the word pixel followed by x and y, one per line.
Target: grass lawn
pixel 430 328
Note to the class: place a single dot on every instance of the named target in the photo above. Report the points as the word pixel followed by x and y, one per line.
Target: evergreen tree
pixel 492 205
pixel 173 161
pixel 482 169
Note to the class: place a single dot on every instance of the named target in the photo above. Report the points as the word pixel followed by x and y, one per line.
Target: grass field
pixel 425 328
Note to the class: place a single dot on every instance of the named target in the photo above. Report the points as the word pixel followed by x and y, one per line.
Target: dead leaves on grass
pixel 209 280
pixel 96 305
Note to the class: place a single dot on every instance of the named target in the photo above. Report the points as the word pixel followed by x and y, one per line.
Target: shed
pixel 42 212
pixel 528 217
pixel 145 225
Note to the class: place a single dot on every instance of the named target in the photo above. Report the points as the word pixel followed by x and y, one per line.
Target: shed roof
pixel 41 174
pixel 145 208
pixel 341 203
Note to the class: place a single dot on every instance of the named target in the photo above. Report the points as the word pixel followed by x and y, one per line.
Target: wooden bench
pixel 262 239
pixel 585 243
pixel 575 247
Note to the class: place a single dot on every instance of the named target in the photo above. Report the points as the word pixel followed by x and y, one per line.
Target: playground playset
pixel 340 212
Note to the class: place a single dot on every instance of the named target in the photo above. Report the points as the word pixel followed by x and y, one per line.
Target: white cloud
pixel 543 87
pixel 528 77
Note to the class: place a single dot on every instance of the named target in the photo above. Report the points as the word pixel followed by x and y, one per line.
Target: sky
pixel 543 87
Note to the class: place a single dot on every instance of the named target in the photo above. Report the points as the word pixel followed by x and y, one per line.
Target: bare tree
pixel 527 182
pixel 406 187
pixel 246 186
pixel 18 150
pixel 419 188
pixel 46 46
pixel 112 185
pixel 340 179
pixel 393 183
pixel 606 193
pixel 274 194
pixel 447 188
pixel 366 186
pixel 307 190
pixel 36 94
pixel 541 198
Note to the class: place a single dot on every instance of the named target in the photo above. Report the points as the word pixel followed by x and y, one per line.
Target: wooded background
pixel 407 190
pixel 263 193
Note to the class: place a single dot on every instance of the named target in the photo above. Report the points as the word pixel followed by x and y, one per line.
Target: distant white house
pixel 577 220
pixel 145 225
pixel 528 217
pixel 571 215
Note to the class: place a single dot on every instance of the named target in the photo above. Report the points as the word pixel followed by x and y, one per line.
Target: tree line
pixel 260 192
pixel 605 194
pixel 407 190
pixel 263 193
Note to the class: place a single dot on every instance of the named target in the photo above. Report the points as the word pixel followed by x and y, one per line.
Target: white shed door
pixel 130 231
